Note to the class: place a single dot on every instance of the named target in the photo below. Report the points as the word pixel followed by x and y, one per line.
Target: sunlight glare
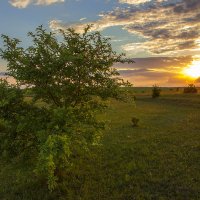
pixel 194 70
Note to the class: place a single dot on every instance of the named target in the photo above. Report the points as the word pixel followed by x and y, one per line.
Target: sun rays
pixel 194 70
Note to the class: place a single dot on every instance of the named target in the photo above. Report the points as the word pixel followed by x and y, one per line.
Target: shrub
pixel 156 91
pixel 135 121
pixel 190 89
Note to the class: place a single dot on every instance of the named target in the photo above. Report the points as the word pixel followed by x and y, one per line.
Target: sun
pixel 194 70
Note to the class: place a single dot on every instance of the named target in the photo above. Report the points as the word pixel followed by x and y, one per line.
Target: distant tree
pixel 190 89
pixel 156 91
pixel 71 78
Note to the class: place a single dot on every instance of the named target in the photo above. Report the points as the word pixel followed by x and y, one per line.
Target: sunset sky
pixel 163 36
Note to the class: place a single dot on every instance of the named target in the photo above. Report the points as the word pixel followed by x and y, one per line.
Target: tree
pixel 156 91
pixel 190 89
pixel 72 79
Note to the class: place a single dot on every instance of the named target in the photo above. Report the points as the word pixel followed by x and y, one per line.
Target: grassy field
pixel 159 159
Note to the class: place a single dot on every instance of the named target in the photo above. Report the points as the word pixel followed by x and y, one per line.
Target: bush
pixel 156 91
pixel 135 121
pixel 190 89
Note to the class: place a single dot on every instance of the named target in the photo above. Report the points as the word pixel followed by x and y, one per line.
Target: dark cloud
pixel 136 72
pixel 151 74
pixel 157 62
pixel 193 19
pixel 187 6
pixel 187 45
pixel 190 34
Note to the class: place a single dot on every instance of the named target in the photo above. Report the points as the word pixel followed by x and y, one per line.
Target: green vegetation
pixel 160 159
pixel 69 81
pixel 55 144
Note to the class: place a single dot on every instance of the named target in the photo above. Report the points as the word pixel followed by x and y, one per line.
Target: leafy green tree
pixel 156 91
pixel 69 81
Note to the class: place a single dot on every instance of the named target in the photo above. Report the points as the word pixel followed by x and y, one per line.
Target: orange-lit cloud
pixel 167 27
pixel 133 1
pixel 25 3
pixel 165 71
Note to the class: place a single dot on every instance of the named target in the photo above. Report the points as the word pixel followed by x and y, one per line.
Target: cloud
pixel 164 31
pixel 84 18
pixel 25 3
pixel 133 1
pixel 138 2
pixel 169 64
pixel 165 71
pixel 48 2
pixel 168 27
pixel 187 6
pixel 56 25
pixel 20 3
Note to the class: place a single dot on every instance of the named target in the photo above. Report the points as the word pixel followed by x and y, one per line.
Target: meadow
pixel 159 159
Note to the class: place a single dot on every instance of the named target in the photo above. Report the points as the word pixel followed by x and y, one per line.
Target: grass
pixel 159 159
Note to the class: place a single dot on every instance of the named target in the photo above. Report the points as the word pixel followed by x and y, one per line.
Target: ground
pixel 159 159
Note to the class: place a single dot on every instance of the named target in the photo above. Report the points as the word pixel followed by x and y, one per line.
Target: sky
pixel 162 36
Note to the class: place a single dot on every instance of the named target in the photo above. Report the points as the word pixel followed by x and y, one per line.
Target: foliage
pixel 190 89
pixel 65 73
pixel 71 78
pixel 156 91
pixel 147 162
pixel 21 122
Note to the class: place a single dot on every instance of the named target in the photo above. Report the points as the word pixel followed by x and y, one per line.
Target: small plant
pixel 190 89
pixel 156 91
pixel 135 121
